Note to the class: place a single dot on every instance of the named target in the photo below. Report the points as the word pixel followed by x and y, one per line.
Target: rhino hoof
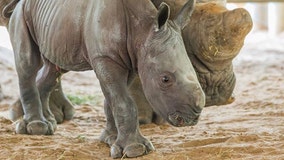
pixel 134 150
pixel 62 110
pixel 115 151
pixel 21 127
pixel 131 150
pixel 35 128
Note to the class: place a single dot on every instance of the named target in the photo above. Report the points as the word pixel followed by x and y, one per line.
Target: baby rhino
pixel 117 39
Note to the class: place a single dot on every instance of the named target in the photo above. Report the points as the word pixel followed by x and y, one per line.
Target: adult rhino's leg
pixel 109 134
pixel 46 81
pixel 113 79
pixel 60 105
pixel 146 114
pixel 28 62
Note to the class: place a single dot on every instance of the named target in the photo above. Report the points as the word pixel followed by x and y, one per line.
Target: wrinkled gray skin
pixel 139 39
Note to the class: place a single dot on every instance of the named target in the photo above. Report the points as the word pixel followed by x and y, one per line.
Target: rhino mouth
pixel 179 119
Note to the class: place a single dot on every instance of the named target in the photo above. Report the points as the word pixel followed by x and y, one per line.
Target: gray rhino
pixel 215 30
pixel 116 39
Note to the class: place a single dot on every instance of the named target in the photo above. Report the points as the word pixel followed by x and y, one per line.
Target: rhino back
pixel 70 32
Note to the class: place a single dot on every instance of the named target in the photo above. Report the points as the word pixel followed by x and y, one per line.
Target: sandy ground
pixel 251 128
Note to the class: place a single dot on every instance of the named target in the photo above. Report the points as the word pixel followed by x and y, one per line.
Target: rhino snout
pixel 179 119
pixel 199 96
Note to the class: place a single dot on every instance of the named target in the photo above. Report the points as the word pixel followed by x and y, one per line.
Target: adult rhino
pixel 77 35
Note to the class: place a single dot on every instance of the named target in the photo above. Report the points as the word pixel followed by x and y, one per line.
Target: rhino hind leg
pixel 37 120
pixel 28 62
pixel 59 104
pixel 46 124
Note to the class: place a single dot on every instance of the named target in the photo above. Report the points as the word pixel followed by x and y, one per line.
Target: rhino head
pixel 213 39
pixel 168 78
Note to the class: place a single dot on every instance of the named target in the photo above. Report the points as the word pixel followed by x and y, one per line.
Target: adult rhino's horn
pixel 239 20
pixel 238 24
pixel 228 38
pixel 185 13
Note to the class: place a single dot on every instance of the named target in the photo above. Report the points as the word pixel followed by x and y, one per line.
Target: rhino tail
pixel 9 8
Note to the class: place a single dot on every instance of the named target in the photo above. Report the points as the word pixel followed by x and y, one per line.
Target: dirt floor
pixel 252 128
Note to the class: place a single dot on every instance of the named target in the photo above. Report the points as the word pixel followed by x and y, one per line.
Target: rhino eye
pixel 165 79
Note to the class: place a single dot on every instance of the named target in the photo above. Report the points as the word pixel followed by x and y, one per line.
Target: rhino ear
pixel 162 16
pixel 185 13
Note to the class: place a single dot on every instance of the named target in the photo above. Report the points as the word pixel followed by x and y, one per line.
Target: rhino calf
pixel 64 35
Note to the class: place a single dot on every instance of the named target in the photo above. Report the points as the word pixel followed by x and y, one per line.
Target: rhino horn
pixel 185 13
pixel 239 23
pixel 229 37
pixel 239 20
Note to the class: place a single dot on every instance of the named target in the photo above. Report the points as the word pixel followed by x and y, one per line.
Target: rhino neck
pixel 139 18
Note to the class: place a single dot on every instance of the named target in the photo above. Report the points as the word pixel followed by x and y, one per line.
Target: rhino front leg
pixel 114 79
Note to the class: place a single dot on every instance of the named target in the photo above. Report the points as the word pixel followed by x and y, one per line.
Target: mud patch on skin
pixel 249 128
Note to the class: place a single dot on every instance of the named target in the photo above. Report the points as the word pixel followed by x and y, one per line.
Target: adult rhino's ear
pixel 185 13
pixel 162 16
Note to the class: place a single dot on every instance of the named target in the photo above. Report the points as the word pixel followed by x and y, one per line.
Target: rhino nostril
pixel 180 120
